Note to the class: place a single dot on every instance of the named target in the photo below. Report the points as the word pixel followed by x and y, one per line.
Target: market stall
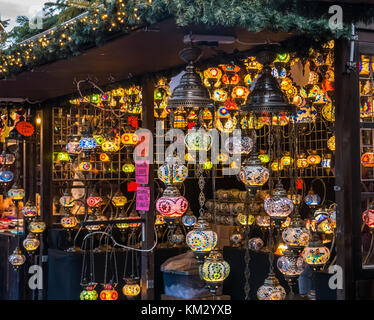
pixel 233 145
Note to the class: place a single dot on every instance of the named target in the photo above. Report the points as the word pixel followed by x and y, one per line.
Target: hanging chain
pixel 201 183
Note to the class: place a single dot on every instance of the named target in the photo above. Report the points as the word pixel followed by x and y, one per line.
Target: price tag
pixel 141 172
pixel 143 198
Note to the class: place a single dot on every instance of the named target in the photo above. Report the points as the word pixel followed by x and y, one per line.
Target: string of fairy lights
pixel 27 53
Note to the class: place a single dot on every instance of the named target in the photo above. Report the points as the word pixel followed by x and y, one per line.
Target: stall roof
pixel 146 50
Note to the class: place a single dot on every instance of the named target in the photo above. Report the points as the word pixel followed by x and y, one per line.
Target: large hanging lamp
pixel 267 95
pixel 190 92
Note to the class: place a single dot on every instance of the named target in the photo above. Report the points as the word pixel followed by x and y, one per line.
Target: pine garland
pixel 119 17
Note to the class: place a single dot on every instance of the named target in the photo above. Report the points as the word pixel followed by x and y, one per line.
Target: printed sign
pixel 25 128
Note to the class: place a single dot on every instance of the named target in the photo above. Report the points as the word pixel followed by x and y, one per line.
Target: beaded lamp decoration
pixel 214 271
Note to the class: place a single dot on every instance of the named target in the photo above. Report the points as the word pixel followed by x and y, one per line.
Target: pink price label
pixel 143 195
pixel 141 172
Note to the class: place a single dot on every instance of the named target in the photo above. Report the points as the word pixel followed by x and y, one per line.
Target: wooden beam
pixel 347 157
pixel 147 260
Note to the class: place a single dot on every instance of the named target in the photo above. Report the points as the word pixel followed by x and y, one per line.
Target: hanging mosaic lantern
pixel 263 221
pixel 290 265
pixel 302 162
pixel 315 254
pixel 104 157
pixel 128 168
pixel 119 200
pixel 201 240
pixel 276 165
pixel 87 143
pixel 326 161
pixel 278 206
pixel 63 157
pixel 99 139
pixel 129 139
pixel 239 145
pixel 212 77
pixel 312 199
pixel 73 146
pixel 31 243
pixel 328 112
pixel 69 222
pixel 30 210
pixel 122 226
pixel 109 293
pixel 207 165
pixel 7 158
pixel 94 200
pixel 198 140
pixel 242 219
pixel 172 172
pixel 255 244
pixel 367 160
pixel 252 173
pixel 305 114
pixel 17 259
pixel 171 204
pixel 368 218
pixel 16 193
pixel 296 235
pixel 271 289
pixel 92 227
pixel 110 144
pixel 264 157
pixel 37 227
pixel 6 176
pixel 89 293
pixel 286 160
pixel 331 143
pixel 313 159
pixel 131 289
pixel 189 219
pixel 67 200
pixel 214 271
pixel 85 166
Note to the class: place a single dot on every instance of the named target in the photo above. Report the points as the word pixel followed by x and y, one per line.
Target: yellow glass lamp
pixel 128 167
pixel 131 289
pixel 129 139
pixel 276 165
pixel 104 157
pixel 63 156
pixel 242 219
pixel 280 249
pixel 207 165
pixel 302 162
pixel 119 200
pixel 313 159
pixel 286 160
pixel 331 143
